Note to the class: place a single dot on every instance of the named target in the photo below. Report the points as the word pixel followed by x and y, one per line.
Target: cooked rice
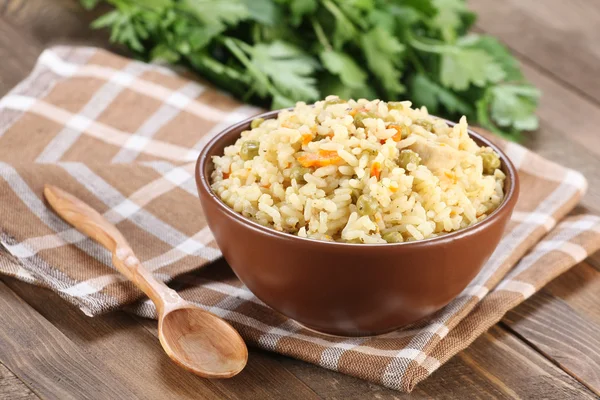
pixel 447 191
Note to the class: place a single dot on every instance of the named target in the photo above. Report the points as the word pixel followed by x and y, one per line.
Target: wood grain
pixel 269 384
pixel 562 323
pixel 557 43
pixel 54 22
pixel 11 387
pixel 496 365
pixel 559 36
pixel 18 55
pixel 130 348
pixel 39 354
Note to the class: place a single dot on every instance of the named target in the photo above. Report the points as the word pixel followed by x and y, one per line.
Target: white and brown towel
pixel 124 136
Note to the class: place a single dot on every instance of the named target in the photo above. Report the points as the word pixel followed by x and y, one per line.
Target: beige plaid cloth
pixel 123 136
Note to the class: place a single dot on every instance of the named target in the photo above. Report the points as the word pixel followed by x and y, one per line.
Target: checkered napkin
pixel 123 136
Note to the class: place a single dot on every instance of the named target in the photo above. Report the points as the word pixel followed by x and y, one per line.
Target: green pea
pixel 408 157
pixel 395 105
pixel 355 241
pixel 360 116
pixel 256 122
pixel 393 237
pixel 333 101
pixel 491 161
pixel 366 205
pixel 249 150
pixel 428 125
pixel 297 173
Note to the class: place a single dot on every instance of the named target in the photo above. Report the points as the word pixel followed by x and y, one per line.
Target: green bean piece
pixel 334 101
pixel 360 116
pixel 408 157
pixel 491 162
pixel 256 122
pixel 355 194
pixel 366 205
pixel 249 150
pixel 393 237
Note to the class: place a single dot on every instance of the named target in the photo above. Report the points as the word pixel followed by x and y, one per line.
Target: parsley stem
pixel 231 44
pixel 320 34
pixel 419 44
pixel 417 63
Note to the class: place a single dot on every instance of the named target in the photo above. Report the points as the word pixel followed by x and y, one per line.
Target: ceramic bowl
pixel 350 289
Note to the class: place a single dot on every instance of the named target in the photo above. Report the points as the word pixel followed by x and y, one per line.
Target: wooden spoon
pixel 195 339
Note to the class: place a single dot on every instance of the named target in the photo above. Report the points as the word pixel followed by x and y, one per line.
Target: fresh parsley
pixel 277 52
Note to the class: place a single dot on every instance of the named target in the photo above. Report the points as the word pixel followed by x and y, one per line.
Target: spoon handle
pixel 88 221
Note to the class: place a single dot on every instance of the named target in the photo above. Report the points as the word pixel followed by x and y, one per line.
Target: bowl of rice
pixel 355 217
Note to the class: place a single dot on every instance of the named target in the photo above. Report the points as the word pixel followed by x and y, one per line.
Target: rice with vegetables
pixel 359 172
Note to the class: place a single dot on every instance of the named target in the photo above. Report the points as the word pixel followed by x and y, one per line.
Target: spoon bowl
pixel 193 338
pixel 202 343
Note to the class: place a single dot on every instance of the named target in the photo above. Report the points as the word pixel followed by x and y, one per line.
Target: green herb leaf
pixel 345 67
pixel 499 52
pixel 222 12
pixel 431 95
pixel 448 17
pixel 263 11
pixel 331 84
pixel 513 106
pixel 462 67
pixel 384 54
pixel 289 68
pixel 344 29
pixel 300 8
pixel 283 51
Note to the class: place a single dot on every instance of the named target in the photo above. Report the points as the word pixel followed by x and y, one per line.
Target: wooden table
pixel 549 347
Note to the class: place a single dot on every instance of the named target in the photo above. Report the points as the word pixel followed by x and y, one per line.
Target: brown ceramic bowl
pixel 349 289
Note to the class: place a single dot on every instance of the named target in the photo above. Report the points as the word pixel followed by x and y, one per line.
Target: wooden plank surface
pixel 559 36
pixel 129 348
pixel 496 365
pixel 563 323
pixel 54 368
pixel 12 388
pixel 546 348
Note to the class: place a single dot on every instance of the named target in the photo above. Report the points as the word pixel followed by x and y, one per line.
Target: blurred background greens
pixel 273 53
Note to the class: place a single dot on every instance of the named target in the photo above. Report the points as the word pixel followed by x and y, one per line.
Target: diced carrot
pixel 321 159
pixel 399 129
pixel 376 169
pixel 306 138
pixel 225 175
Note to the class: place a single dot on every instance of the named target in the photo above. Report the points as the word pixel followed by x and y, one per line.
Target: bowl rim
pixel 510 196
